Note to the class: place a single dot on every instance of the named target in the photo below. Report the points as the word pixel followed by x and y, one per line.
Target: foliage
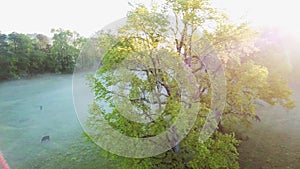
pixel 26 55
pixel 149 37
pixel 65 49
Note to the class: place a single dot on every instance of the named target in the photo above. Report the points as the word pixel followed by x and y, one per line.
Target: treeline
pixel 26 55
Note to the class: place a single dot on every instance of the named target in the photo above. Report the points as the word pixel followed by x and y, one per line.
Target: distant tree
pixel 4 58
pixel 43 42
pixel 20 48
pixel 65 49
pixel 89 54
pixel 41 60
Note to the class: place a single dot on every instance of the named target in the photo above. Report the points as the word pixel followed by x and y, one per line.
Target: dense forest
pixel 24 55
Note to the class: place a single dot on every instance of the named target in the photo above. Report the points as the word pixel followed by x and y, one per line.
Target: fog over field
pixel 23 123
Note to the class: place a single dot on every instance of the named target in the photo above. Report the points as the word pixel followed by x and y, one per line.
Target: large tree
pixel 154 62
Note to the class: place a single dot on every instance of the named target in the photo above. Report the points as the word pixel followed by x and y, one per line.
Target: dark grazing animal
pixel 45 139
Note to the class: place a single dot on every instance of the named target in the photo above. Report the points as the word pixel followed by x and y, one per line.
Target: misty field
pixel 31 109
pixel 275 141
pixel 23 122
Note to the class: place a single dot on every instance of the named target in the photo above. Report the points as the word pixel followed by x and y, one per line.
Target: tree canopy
pixel 144 83
pixel 26 55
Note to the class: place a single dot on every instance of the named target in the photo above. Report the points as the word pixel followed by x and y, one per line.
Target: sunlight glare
pixel 282 15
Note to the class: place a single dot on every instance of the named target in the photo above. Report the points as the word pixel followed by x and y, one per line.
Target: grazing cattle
pixel 45 139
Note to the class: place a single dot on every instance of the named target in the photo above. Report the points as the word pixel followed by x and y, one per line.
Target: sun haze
pixel 89 16
pixel 35 16
pixel 265 13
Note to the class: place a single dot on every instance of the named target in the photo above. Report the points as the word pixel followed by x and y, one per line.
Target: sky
pixel 89 16
pixel 282 15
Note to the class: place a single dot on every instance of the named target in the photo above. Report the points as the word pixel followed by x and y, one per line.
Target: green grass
pixel 22 125
pixel 275 141
pixel 78 155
